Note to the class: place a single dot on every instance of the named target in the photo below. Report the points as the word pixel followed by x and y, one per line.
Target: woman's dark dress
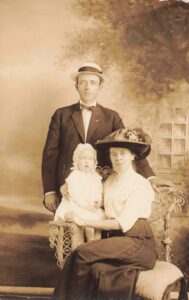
pixel 107 269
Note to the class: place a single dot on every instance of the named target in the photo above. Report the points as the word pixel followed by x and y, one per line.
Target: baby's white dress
pixel 84 190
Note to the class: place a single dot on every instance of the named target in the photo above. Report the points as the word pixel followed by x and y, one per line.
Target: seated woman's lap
pixel 111 265
pixel 117 251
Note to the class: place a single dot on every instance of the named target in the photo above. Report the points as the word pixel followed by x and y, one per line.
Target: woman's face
pixel 121 159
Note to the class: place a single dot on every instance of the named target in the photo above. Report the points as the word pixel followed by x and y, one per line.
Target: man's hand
pixel 159 184
pixel 51 201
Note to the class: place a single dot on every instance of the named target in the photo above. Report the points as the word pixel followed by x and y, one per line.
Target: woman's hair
pixel 78 150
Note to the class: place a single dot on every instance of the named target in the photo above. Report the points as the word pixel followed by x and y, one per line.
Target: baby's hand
pixel 97 204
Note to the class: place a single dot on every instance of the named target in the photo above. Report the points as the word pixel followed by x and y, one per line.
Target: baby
pixel 84 189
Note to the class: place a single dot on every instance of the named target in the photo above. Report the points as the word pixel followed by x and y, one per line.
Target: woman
pixel 107 269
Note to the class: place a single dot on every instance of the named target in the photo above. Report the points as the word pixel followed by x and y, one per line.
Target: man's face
pixel 88 86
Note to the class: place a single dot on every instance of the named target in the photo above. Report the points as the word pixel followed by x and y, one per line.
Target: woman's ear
pixel 101 85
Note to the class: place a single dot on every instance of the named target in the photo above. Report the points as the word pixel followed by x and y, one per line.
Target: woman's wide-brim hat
pixel 89 68
pixel 134 139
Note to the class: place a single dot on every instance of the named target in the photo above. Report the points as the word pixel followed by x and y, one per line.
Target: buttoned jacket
pixel 66 131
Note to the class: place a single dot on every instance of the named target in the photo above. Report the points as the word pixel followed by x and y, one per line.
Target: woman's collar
pixel 126 173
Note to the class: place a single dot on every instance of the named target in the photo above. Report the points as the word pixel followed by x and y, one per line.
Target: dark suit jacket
pixel 66 131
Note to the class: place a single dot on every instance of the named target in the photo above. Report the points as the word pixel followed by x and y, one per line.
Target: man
pixel 83 122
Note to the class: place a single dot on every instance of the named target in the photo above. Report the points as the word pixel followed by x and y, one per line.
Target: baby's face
pixel 86 161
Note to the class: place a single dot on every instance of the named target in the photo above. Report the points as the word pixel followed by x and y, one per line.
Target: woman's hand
pixel 72 217
pixel 104 224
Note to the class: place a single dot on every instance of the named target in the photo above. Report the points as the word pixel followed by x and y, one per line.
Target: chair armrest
pixel 65 237
pixel 167 202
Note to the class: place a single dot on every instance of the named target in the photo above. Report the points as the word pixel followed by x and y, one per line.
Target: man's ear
pixel 76 85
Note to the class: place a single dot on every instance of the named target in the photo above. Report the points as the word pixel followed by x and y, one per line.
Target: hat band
pixel 89 69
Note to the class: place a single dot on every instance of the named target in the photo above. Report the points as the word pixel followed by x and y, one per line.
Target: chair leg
pixel 167 296
pixel 183 290
pixel 134 297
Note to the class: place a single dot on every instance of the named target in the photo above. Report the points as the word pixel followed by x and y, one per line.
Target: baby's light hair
pixel 78 150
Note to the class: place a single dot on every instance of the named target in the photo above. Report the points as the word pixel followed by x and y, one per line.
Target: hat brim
pixel 140 150
pixel 75 75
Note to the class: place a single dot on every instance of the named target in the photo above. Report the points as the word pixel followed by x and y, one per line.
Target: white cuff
pixel 151 177
pixel 50 193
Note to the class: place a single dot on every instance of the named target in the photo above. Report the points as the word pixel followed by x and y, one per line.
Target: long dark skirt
pixel 107 269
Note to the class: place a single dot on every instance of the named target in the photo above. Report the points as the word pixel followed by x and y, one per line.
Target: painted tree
pixel 148 40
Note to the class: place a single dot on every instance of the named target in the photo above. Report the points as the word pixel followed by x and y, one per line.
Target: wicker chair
pixel 155 284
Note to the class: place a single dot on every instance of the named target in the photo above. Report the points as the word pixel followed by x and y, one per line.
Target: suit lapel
pixel 95 121
pixel 78 121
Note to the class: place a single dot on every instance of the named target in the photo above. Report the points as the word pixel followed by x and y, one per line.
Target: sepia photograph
pixel 94 194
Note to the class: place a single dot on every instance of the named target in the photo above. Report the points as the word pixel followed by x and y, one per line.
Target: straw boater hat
pixel 89 68
pixel 134 139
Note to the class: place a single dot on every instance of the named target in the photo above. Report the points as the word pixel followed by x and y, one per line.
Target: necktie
pixel 87 107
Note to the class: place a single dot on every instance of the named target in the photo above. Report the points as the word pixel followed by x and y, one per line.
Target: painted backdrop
pixel 144 52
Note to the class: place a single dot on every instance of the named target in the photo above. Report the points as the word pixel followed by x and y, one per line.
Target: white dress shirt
pixel 86 117
pixel 127 197
pixel 86 113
